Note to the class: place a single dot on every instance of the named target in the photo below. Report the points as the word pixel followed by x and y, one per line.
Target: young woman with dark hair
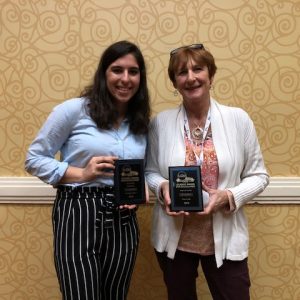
pixel 95 240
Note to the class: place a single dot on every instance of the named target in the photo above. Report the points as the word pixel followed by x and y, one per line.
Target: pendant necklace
pixel 198 134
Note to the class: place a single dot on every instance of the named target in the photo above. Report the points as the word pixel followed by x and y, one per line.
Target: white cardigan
pixel 241 170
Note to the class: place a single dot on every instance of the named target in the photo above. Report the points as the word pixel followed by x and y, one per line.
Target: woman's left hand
pixel 132 206
pixel 218 200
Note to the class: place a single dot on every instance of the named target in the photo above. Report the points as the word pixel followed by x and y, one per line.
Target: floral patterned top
pixel 197 231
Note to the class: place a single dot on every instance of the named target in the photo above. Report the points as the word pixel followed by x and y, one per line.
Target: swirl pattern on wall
pixel 50 50
pixel 27 268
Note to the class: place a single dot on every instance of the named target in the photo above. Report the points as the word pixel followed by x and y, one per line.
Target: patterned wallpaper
pixel 27 269
pixel 49 50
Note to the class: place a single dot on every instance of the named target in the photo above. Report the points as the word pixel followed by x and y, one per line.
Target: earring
pixel 175 93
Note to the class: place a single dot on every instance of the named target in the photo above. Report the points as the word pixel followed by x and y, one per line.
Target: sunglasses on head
pixel 193 46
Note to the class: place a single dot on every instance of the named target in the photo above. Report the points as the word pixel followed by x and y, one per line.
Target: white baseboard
pixel 281 190
pixel 25 190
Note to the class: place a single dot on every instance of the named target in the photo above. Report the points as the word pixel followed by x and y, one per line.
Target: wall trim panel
pixel 30 190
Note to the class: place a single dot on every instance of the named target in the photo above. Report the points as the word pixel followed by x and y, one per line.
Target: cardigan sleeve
pixel 152 172
pixel 254 177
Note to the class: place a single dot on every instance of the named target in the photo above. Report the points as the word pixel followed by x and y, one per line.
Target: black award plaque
pixel 129 181
pixel 185 188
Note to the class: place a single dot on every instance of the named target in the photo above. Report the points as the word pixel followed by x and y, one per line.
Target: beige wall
pixel 48 52
pixel 27 270
pixel 50 49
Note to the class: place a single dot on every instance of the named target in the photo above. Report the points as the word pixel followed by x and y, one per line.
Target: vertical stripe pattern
pixel 95 244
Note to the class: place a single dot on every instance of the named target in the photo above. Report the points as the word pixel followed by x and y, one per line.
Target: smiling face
pixel 123 79
pixel 192 71
pixel 193 82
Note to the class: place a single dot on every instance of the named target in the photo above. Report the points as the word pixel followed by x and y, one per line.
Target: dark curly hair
pixel 100 102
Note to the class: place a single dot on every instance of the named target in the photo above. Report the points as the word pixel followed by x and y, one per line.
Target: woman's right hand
pixel 97 166
pixel 165 194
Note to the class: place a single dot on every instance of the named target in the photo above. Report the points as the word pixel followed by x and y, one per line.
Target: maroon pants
pixel 229 282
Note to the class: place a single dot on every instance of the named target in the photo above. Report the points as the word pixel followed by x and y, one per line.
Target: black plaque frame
pixel 129 180
pixel 186 188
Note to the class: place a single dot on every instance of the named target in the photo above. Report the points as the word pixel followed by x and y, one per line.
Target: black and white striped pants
pixel 95 244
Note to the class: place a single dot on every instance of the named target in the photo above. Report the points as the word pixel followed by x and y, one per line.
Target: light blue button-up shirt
pixel 70 130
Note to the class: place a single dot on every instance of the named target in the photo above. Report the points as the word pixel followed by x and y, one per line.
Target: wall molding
pixel 30 190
